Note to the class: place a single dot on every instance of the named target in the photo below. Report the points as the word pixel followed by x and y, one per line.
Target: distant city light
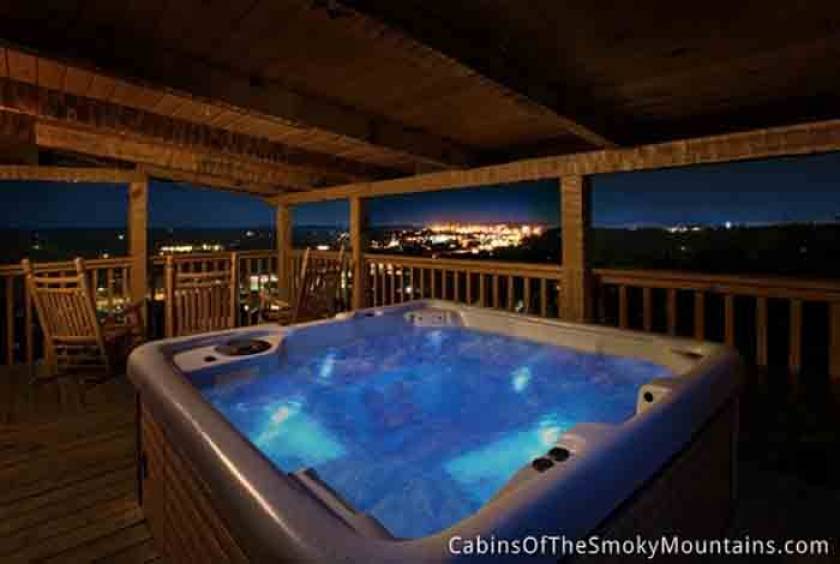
pixel 323 247
pixel 190 248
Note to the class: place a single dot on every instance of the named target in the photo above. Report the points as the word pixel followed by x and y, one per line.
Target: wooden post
pixel 575 219
pixel 357 220
pixel 138 219
pixel 284 251
pixel 834 341
pixel 169 292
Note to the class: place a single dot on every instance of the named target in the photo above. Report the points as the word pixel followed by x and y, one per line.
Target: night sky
pixel 781 190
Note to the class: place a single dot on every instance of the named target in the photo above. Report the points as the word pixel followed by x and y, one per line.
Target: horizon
pixel 327 226
pixel 764 192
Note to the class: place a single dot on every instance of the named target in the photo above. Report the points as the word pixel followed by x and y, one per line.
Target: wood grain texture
pixel 357 220
pixel 575 217
pixel 68 473
pixel 179 504
pixel 804 139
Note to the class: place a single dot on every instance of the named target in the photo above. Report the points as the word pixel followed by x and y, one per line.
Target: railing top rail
pixel 313 253
pixel 58 266
pixel 257 253
pixel 472 265
pixel 221 255
pixel 772 286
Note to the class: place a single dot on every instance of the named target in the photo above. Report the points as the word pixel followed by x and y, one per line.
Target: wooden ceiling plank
pixel 101 87
pixel 209 180
pixel 68 174
pixel 454 49
pixel 4 67
pixel 51 74
pixel 112 146
pixel 77 81
pixel 22 66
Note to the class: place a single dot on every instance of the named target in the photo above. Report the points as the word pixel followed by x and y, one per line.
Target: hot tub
pixel 407 431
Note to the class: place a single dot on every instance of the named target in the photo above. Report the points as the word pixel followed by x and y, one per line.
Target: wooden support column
pixel 357 243
pixel 284 250
pixel 138 219
pixel 575 219
pixel 834 341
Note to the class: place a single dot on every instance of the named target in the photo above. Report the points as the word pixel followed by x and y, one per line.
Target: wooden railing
pixel 522 287
pixel 21 333
pixel 748 312
pixel 764 317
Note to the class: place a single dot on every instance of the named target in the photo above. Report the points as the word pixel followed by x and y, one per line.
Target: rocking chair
pixel 78 342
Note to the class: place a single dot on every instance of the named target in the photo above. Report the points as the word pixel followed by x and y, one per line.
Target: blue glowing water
pixel 420 427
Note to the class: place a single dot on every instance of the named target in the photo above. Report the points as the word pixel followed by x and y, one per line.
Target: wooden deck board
pixel 68 469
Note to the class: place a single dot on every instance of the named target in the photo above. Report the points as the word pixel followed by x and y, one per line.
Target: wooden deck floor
pixel 68 475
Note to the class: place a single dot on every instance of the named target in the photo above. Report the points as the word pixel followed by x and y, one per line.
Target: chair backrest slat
pixel 200 300
pixel 318 290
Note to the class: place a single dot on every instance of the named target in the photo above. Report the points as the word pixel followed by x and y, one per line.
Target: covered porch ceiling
pixel 288 96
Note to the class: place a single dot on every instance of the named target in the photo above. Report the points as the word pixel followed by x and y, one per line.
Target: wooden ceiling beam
pixel 804 139
pixel 68 174
pixel 54 135
pixel 44 103
pixel 208 180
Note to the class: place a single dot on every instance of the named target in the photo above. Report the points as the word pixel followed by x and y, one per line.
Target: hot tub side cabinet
pixel 178 503
pixel 693 495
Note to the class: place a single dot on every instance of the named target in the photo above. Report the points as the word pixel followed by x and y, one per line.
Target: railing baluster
pixel 495 291
pixel 444 284
pixel 109 280
pixel 124 284
pixel 729 319
pixel 647 308
pixel 622 307
pixel 10 320
pixel 413 292
pixel 245 272
pixel 423 272
pixel 834 340
pixel 456 285
pixel 393 290
pixel 671 312
pixel 795 337
pixel 510 293
pixel 761 331
pixel 699 314
pixel 375 284
pixel 481 292
pixel 526 294
pixel 30 328
pixel 543 297
pixel 383 276
pixel 469 299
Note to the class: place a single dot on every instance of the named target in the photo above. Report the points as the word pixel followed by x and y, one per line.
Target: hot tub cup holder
pixel 242 347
